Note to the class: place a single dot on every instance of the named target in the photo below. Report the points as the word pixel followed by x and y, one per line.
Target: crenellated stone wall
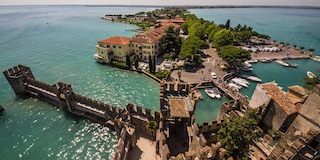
pixel 210 127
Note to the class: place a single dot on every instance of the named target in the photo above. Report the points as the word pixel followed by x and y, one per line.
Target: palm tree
pixel 152 125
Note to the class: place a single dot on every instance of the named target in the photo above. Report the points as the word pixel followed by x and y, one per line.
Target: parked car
pixel 213 75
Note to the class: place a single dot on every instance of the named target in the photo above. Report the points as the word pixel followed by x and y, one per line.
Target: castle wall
pixel 259 99
pixel 274 116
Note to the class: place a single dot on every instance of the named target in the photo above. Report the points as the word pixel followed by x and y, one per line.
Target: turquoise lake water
pixel 58 43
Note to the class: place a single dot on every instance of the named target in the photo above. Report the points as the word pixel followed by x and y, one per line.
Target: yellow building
pixel 114 48
pixel 141 46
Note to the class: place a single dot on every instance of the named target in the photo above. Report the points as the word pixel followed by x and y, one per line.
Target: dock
pixel 223 86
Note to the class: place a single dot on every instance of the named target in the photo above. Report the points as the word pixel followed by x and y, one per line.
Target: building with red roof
pixel 141 45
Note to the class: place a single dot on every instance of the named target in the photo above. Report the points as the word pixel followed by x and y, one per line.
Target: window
pixel 120 53
pixel 108 46
pixel 148 47
pixel 149 52
pixel 144 46
pixel 114 46
pixel 144 52
pixel 152 46
pixel 119 47
pixel 136 45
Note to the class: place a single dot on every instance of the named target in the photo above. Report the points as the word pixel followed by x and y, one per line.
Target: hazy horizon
pixel 315 3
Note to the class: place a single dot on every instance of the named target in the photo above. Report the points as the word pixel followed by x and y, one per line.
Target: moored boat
pixel 311 75
pixel 240 81
pixel 234 86
pixel 283 63
pixel 252 78
pixel 213 92
pixel 98 58
pixel 265 60
pixel 245 68
pixel 251 61
pixel 316 58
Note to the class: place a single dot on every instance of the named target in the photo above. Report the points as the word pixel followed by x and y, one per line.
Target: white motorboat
pixel 98 58
pixel 316 58
pixel 213 92
pixel 247 64
pixel 234 86
pixel 252 78
pixel 240 82
pixel 251 61
pixel 311 75
pixel 245 68
pixel 265 60
pixel 281 62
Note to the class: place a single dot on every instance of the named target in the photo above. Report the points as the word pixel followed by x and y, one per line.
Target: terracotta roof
pixel 154 34
pixel 117 40
pixel 178 20
pixel 276 93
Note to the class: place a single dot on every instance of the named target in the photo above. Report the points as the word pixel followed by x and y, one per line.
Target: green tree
pixel 302 47
pixel 171 42
pixel 227 26
pixel 150 64
pixel 128 62
pixel 232 54
pixel 222 38
pixel 237 133
pixel 153 64
pixel 136 63
pixel 152 126
pixel 162 74
pixel 191 46
pixel 184 28
pixel 311 49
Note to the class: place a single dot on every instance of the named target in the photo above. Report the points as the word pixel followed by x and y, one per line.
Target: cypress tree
pixel 136 63
pixel 128 63
pixel 150 64
pixel 154 64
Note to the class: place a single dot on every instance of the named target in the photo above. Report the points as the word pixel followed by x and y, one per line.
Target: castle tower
pixel 16 77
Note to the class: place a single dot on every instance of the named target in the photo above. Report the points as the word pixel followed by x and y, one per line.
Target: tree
pixel 171 42
pixel 237 133
pixel 191 46
pixel 311 49
pixel 150 64
pixel 136 63
pixel 184 28
pixel 222 38
pixel 128 62
pixel 227 26
pixel 153 64
pixel 152 125
pixel 232 54
pixel 302 47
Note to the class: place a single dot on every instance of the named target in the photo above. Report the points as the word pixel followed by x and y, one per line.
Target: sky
pixel 163 2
